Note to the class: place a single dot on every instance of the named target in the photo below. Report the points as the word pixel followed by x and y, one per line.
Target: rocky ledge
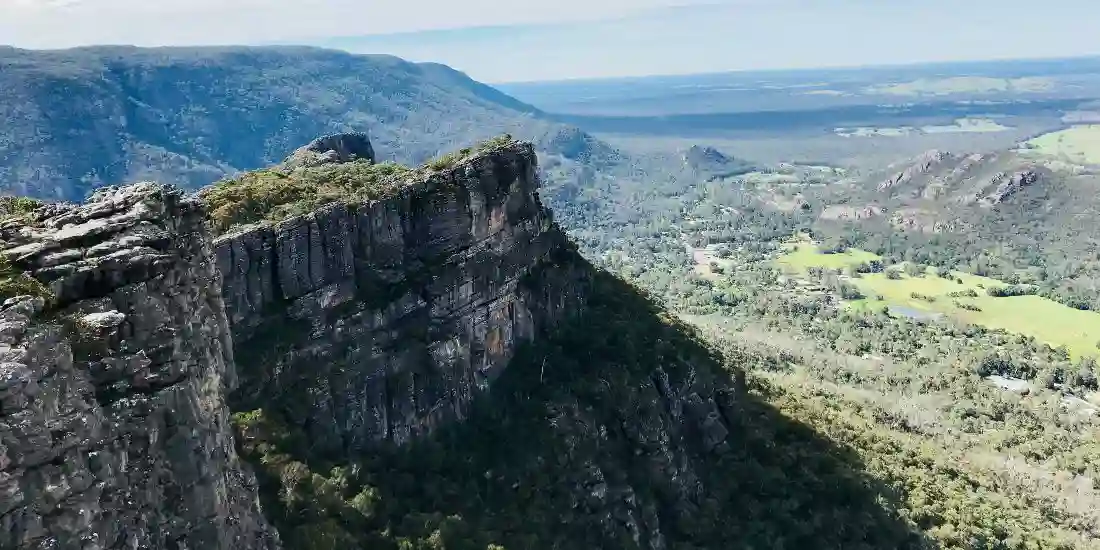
pixel 114 431
pixel 376 321
pixel 362 322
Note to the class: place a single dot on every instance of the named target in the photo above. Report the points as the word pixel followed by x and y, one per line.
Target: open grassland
pixel 1080 144
pixel 803 255
pixel 960 296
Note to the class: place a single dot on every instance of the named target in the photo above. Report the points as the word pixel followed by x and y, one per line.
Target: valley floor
pixel 972 465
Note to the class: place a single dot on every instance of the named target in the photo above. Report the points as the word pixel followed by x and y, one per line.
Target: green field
pixel 1046 320
pixel 803 255
pixel 1080 144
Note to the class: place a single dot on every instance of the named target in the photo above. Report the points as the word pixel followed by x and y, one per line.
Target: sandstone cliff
pixel 429 363
pixel 364 322
pixel 114 430
pixel 377 321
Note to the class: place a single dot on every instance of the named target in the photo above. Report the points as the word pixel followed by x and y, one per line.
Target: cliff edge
pixel 339 353
pixel 375 321
pixel 365 321
pixel 114 430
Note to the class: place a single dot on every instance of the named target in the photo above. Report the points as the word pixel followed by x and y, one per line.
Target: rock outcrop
pixel 331 149
pixel 375 322
pixel 921 166
pixel 711 164
pixel 363 323
pixel 1007 185
pixel 114 431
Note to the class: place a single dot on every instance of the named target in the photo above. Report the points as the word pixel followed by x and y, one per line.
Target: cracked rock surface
pixel 364 323
pixel 113 426
pixel 375 322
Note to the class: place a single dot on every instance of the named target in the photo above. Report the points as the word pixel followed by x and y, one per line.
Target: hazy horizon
pixel 573 40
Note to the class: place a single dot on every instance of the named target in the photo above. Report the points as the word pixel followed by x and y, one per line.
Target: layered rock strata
pixel 364 323
pixel 377 321
pixel 114 429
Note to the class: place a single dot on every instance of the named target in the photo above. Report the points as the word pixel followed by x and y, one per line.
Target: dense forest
pixel 973 465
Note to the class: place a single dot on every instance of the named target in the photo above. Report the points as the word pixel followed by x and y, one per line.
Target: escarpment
pixel 362 322
pixel 400 356
pixel 376 321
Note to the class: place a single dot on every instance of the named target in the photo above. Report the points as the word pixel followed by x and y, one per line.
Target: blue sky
pixel 519 40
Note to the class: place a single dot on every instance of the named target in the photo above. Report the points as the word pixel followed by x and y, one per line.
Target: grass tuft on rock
pixel 14 282
pixel 271 195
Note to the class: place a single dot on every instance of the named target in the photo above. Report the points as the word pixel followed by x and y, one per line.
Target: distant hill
pixel 710 163
pixel 1003 214
pixel 979 178
pixel 82 118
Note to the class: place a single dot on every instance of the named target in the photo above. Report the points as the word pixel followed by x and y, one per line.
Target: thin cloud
pixel 37 4
pixel 63 23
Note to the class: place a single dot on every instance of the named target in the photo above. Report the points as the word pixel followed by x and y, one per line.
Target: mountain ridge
pixel 86 117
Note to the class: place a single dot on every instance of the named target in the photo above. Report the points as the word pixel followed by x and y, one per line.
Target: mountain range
pixel 83 118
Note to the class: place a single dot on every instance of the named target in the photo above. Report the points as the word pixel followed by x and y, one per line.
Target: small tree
pixel 1086 374
pixel 914 269
pixel 849 292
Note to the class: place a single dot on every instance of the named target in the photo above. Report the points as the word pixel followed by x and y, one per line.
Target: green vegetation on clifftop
pixel 274 194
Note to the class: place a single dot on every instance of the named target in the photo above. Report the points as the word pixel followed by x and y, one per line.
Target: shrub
pixel 849 292
pixel 18 206
pixel 1010 290
pixel 968 293
pixel 915 270
pixel 967 306
pixel 17 283
pixel 272 195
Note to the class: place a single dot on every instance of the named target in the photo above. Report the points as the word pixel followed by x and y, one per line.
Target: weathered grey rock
pixel 331 149
pixel 363 323
pixel 113 426
pixel 377 321
pixel 1005 185
pixel 923 164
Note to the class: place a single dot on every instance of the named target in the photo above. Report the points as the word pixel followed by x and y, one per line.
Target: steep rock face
pixel 375 322
pixel 113 427
pixel 363 324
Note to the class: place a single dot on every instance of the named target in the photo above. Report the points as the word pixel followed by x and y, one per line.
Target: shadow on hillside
pixel 575 447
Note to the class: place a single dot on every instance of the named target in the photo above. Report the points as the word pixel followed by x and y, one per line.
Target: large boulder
pixel 331 149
